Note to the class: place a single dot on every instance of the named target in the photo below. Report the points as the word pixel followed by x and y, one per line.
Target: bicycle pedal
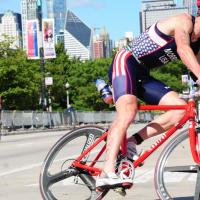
pixel 121 191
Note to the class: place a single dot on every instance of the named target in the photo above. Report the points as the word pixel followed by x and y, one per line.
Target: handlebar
pixel 191 95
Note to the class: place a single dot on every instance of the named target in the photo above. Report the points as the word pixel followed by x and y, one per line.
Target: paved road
pixel 22 155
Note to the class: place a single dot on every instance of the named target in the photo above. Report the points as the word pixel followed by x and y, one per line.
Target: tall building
pixel 78 37
pixel 191 4
pixel 154 10
pixel 29 11
pixel 107 42
pixel 10 25
pixel 102 45
pixel 57 9
pixel 128 37
pixel 98 47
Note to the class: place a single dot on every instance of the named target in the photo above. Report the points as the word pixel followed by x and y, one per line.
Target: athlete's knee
pixel 126 109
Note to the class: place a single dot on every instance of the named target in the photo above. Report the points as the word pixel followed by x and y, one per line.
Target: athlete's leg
pixel 164 121
pixel 126 107
pixel 124 86
pixel 155 92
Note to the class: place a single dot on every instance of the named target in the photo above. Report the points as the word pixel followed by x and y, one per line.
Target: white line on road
pixel 20 169
pixel 32 185
pixel 142 176
pixel 24 144
pixel 33 166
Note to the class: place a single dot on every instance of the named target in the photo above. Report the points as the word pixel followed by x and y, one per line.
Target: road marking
pixel 142 176
pixel 20 169
pixel 32 185
pixel 24 144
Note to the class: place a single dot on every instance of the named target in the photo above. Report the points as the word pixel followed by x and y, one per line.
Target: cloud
pixel 85 3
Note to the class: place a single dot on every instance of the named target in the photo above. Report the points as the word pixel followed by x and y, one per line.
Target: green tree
pixel 19 79
pixel 84 95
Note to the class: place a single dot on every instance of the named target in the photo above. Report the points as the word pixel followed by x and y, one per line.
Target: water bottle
pixel 105 91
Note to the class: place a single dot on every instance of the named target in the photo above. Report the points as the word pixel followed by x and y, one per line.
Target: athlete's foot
pixel 111 180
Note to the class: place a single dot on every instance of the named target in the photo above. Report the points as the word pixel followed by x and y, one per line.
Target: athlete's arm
pixel 182 33
pixel 196 31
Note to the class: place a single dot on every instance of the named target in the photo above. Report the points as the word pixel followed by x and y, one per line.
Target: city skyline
pixel 118 18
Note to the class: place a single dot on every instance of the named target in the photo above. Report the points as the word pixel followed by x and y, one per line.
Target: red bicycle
pixel 70 168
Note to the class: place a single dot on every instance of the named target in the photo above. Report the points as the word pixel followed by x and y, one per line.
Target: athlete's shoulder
pixel 180 21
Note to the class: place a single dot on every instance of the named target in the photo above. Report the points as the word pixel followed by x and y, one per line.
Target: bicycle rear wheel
pixel 60 180
pixel 176 172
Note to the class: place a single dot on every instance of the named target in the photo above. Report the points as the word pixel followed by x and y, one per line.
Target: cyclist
pixel 165 41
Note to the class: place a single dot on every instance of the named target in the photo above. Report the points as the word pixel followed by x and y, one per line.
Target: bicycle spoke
pixel 52 179
pixel 187 169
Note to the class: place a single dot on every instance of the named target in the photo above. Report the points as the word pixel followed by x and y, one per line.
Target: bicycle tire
pixel 174 181
pixel 62 172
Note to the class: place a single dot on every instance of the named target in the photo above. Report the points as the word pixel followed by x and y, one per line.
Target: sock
pixel 138 138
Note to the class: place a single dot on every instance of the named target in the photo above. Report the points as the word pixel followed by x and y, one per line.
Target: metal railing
pixel 12 121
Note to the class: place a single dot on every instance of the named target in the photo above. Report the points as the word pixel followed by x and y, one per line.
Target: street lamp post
pixel 42 67
pixel 67 86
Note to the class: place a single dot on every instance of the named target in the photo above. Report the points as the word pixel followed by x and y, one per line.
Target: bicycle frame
pixel 190 116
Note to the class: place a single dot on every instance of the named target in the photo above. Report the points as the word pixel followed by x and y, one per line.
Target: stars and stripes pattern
pixel 119 67
pixel 147 42
pixel 121 77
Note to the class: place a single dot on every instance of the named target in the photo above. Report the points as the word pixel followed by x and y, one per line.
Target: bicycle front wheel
pixel 176 172
pixel 58 178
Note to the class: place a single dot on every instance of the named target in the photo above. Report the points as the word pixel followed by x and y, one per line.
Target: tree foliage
pixel 20 80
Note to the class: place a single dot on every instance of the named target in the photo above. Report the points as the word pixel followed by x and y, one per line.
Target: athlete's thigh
pixel 123 75
pixel 152 90
pixel 171 98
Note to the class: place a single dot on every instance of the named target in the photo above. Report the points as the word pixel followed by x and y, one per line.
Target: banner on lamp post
pixel 32 28
pixel 48 38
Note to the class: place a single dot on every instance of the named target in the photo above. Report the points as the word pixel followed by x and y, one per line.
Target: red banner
pixel 198 3
pixel 32 39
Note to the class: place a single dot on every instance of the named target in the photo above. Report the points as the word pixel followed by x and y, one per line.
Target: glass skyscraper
pixel 57 9
pixel 78 37
pixel 29 11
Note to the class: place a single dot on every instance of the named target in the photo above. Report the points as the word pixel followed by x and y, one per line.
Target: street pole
pixel 67 85
pixel 42 67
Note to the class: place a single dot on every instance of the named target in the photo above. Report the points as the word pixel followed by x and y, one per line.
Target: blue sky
pixel 117 16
